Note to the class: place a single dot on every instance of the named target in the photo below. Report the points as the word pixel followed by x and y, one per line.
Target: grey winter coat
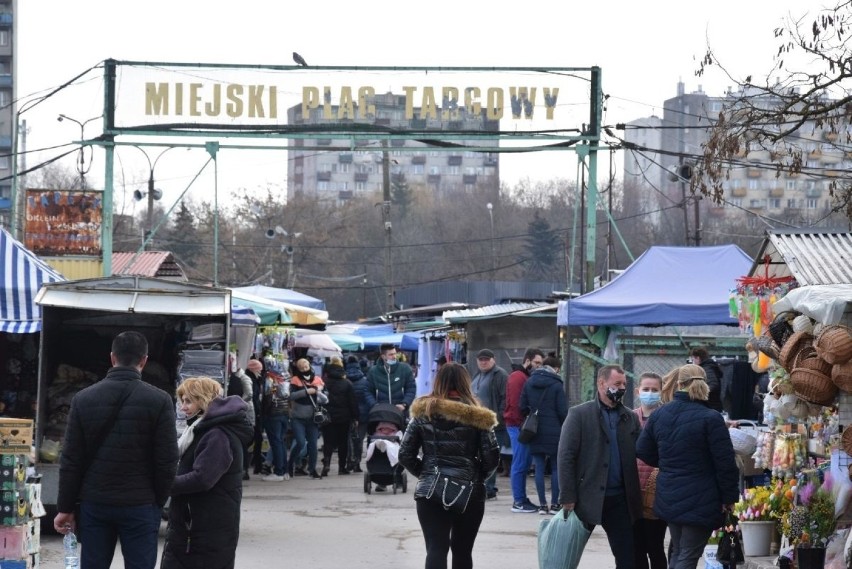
pixel 584 460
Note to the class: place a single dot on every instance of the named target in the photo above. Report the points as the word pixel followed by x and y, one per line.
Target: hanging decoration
pixel 752 299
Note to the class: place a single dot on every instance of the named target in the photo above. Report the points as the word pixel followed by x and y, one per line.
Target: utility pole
pixel 680 170
pixel 386 209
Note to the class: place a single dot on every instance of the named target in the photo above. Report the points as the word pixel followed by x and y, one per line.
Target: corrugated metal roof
pixel 480 293
pixel 811 257
pixel 147 264
pixel 459 316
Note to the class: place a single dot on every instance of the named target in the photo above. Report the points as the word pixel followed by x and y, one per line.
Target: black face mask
pixel 615 395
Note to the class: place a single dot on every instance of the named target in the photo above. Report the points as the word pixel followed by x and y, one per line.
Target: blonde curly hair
pixel 199 390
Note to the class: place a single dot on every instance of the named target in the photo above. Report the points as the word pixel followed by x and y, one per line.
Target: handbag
pixel 648 495
pixel 321 416
pixel 529 428
pixel 451 493
pixel 730 549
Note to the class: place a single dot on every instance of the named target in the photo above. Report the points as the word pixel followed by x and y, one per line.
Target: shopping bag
pixel 561 541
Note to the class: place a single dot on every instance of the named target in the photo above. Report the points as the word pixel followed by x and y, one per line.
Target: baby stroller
pixel 379 470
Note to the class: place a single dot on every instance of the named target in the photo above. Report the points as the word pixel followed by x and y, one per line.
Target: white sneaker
pixel 286 476
pixel 272 478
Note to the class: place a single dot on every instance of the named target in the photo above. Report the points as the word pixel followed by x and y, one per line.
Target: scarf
pixel 186 437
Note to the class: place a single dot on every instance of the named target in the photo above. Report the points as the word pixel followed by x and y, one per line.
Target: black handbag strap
pixel 540 399
pixel 99 439
pixel 311 399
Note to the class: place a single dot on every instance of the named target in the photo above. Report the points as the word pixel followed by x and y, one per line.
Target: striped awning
pixel 22 274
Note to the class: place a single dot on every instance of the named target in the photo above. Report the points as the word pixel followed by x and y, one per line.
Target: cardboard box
pixel 13 471
pixel 33 536
pixel 14 541
pixel 16 432
pixel 14 507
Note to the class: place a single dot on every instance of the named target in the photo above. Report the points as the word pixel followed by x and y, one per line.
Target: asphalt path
pixel 333 523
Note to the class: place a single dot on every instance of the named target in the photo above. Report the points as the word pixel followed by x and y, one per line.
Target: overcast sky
pixel 643 47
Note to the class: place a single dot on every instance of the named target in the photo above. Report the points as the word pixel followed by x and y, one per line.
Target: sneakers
pixel 491 494
pixel 286 476
pixel 543 510
pixel 524 508
pixel 273 478
pixel 314 475
pixel 555 509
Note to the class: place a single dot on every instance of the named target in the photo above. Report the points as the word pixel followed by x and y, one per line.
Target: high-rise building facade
pixel 8 105
pixel 754 189
pixel 341 175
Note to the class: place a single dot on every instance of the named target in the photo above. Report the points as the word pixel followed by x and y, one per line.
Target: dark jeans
pixel 276 430
pixel 445 531
pixel 539 460
pixel 335 436
pixel 257 451
pixel 615 520
pixel 687 545
pixel 135 526
pixel 305 433
pixel 648 538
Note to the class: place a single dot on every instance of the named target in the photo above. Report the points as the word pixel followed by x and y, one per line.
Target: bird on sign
pixel 299 59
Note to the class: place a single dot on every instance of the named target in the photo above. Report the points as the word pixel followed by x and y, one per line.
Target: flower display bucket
pixel 810 557
pixel 757 537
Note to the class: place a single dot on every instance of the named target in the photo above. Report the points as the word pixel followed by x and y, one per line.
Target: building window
pixel 790 185
pixel 736 202
pixel 4 162
pixel 417 169
pixel 812 203
pixel 343 168
pixel 360 186
pixel 753 184
pixel 791 202
pixel 5 98
pixel 756 204
pixel 469 187
pixel 4 38
pixel 434 170
pixel 322 186
pixel 774 203
pixel 453 170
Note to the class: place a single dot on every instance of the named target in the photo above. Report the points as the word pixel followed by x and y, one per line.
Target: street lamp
pixel 271 233
pixel 493 256
pixel 81 162
pixel 152 193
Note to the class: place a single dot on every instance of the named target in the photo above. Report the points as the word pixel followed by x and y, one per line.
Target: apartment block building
pixel 8 105
pixel 754 188
pixel 437 168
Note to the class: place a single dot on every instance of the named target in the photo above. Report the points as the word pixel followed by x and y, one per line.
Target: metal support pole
pixel 386 209
pixel 106 225
pixel 212 148
pixel 595 114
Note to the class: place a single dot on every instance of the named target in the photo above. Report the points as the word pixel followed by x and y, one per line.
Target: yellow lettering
pixel 273 102
pixel 409 102
pixel 194 99
pixel 179 99
pixel 494 97
pixel 366 109
pixel 255 101
pixel 234 94
pixel 471 100
pixel 326 104
pixel 156 98
pixel 310 100
pixel 214 108
pixel 346 108
pixel 428 109
pixel 550 96
pixel 450 104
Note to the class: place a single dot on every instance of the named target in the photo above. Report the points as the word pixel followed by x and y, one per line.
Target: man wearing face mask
pixel 391 381
pixel 598 478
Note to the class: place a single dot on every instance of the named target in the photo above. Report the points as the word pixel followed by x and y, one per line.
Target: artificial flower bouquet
pixel 812 522
pixel 766 503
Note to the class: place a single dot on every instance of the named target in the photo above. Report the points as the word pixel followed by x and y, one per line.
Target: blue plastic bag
pixel 561 541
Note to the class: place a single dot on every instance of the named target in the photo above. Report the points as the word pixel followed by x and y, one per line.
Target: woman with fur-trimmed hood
pixel 456 435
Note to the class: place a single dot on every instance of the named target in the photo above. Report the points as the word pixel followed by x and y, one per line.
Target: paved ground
pixel 333 523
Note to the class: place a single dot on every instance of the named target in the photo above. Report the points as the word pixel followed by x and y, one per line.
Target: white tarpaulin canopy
pixel 823 303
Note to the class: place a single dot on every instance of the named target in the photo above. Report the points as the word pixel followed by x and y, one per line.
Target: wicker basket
pixel 846 441
pixel 780 329
pixel 802 323
pixel 813 386
pixel 766 345
pixel 793 345
pixel 834 344
pixel 841 375
pixel 809 359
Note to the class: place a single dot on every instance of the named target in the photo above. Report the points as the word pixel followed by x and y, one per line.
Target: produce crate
pixel 16 432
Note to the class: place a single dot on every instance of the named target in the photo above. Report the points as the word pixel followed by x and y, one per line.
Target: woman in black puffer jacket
pixel 343 408
pixel 456 434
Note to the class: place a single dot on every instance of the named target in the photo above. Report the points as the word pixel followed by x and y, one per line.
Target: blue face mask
pixel 649 398
pixel 390 361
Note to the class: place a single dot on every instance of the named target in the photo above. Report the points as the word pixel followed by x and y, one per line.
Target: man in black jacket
pixel 118 461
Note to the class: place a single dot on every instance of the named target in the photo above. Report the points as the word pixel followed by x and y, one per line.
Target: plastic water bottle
pixel 72 551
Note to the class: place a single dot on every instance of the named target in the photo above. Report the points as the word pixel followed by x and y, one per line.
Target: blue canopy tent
pixel 675 286
pixel 22 274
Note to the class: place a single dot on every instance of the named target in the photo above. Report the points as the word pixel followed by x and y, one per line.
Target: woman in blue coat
pixel 544 392
pixel 698 478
